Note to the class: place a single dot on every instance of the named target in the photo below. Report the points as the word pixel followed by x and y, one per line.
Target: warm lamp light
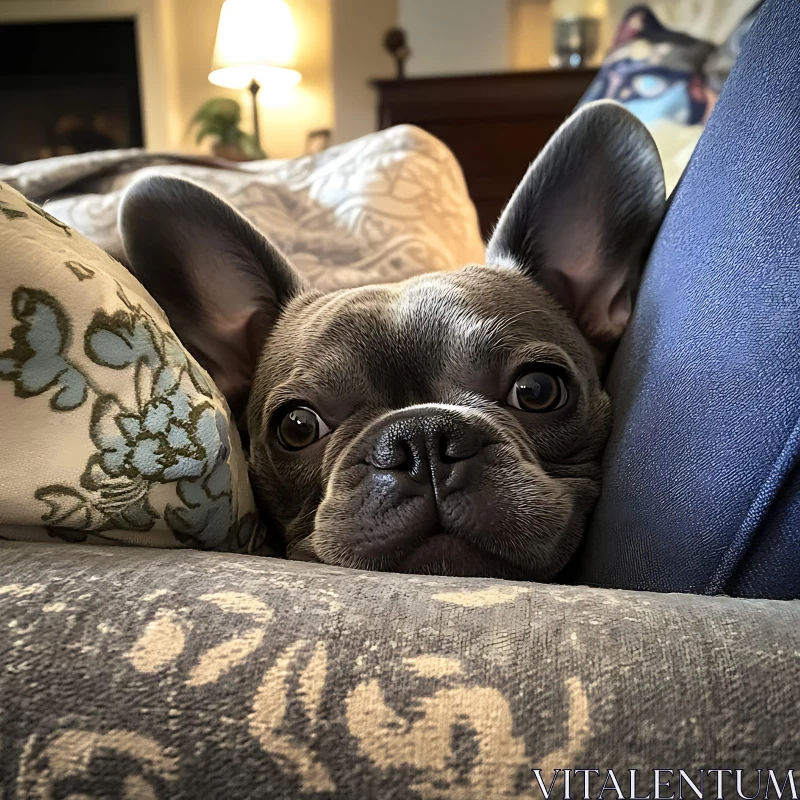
pixel 256 40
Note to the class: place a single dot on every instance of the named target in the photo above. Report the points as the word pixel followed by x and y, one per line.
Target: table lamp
pixel 256 40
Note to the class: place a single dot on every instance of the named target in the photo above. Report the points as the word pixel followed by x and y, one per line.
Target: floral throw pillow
pixel 109 430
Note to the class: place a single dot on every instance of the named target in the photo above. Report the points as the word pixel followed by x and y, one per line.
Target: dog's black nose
pixel 425 448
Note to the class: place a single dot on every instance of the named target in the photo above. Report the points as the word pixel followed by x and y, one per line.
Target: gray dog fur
pixel 422 462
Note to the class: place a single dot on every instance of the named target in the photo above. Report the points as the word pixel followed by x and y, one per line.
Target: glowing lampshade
pixel 256 41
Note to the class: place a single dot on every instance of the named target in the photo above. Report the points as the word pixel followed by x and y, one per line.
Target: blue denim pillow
pixel 702 487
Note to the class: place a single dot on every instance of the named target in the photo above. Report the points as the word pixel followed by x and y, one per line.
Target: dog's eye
pixel 300 427
pixel 538 391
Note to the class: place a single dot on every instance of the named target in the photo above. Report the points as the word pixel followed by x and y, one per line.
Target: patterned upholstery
pixel 130 673
pixel 110 430
pixel 159 674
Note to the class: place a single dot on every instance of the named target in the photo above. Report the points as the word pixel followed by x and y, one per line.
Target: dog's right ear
pixel 220 282
pixel 583 218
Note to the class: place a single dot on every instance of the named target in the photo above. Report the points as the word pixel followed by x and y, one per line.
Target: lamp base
pixel 254 87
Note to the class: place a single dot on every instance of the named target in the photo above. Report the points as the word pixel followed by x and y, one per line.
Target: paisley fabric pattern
pixel 110 430
pixel 156 675
pixel 381 208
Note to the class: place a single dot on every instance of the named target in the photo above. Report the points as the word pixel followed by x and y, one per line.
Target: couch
pixel 201 670
pixel 181 674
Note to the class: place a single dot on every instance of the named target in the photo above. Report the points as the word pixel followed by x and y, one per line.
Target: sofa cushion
pixel 381 208
pixel 110 430
pixel 700 479
pixel 231 676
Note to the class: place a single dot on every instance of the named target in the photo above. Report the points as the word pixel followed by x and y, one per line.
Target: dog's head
pixel 452 423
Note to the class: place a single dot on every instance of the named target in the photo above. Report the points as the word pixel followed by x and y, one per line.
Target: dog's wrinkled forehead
pixel 423 340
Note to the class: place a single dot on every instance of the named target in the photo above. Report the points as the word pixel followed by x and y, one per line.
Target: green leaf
pixel 73 391
pixel 67 507
pixel 11 213
pixel 139 516
pixel 80 271
pixel 107 435
pixel 119 340
pixel 218 118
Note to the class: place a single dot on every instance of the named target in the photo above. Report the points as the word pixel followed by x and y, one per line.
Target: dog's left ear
pixel 583 218
pixel 220 282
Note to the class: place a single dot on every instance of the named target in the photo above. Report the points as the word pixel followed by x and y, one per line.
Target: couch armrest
pixel 136 673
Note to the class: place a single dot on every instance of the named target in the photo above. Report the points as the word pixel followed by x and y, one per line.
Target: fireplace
pixel 68 87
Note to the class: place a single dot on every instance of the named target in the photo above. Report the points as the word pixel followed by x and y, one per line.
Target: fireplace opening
pixel 68 87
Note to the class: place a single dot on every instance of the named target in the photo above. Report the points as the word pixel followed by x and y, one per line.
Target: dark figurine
pixel 395 42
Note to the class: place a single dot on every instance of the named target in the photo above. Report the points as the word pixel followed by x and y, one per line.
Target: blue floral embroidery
pixel 36 362
pixel 172 433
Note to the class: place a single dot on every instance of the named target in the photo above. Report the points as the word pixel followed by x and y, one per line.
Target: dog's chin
pixel 445 554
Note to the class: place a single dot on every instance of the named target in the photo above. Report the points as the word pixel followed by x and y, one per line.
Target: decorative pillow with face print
pixel 109 431
pixel 655 72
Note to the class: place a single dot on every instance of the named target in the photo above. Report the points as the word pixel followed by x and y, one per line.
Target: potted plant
pixel 219 118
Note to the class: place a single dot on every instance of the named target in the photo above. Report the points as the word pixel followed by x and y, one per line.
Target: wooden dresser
pixel 495 124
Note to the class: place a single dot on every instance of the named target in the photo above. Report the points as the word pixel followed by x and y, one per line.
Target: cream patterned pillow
pixel 382 208
pixel 109 430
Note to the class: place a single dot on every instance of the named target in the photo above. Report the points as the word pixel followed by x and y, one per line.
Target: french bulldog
pixel 453 423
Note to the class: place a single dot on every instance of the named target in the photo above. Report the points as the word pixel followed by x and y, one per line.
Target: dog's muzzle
pixel 439 490
pixel 425 454
pixel 417 461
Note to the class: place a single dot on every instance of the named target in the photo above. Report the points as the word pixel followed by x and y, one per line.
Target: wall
pixel 340 49
pixel 358 28
pixel 530 34
pixel 451 37
pixel 176 42
pixel 283 126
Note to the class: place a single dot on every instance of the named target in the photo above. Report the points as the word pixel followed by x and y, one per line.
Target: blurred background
pixel 281 78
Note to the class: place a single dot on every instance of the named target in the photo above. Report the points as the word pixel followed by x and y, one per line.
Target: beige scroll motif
pixel 425 744
pixel 270 706
pixel 163 640
pixel 482 598
pixel 70 755
pixel 159 645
